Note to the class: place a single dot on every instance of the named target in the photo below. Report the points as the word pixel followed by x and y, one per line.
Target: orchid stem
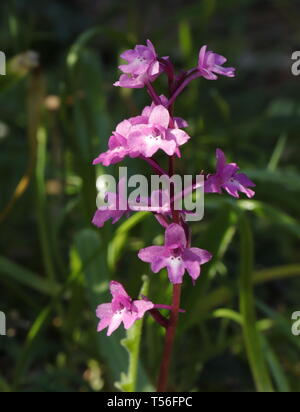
pixel 154 165
pixel 153 94
pixel 179 90
pixel 169 342
pixel 159 318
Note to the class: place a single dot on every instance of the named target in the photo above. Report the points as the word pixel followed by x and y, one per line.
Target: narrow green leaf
pixel 247 308
pixel 26 356
pixel 277 153
pixel 185 38
pixel 24 276
pixel 276 368
pixel 117 244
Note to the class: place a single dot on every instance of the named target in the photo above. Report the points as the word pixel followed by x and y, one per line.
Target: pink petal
pixel 158 264
pixel 154 69
pixel 168 146
pixel 103 324
pixel 176 269
pixel 160 116
pixel 212 185
pixel 195 254
pixel 225 71
pixel 123 128
pixel 175 237
pixel 244 180
pixel 131 82
pixel 142 307
pixel 128 319
pixel 194 269
pixel 208 75
pixel 102 216
pixel 111 156
pixel 221 160
pixel 155 255
pixel 151 47
pixel 150 254
pixel 117 289
pixel 202 55
pixel 193 259
pixel 104 311
pixel 180 123
pixel 228 171
pixel 135 67
pixel 232 189
pixel 219 60
pixel 115 322
pixel 180 136
pixel 129 55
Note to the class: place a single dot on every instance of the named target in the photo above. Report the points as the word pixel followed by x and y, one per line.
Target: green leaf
pixel 276 273
pixel 218 235
pixel 26 356
pixel 277 153
pixel 185 38
pixel 276 368
pixel 277 216
pixel 247 308
pixel 117 245
pixel 132 343
pixel 27 278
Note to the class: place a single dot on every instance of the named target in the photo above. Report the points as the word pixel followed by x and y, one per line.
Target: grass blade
pixel 247 308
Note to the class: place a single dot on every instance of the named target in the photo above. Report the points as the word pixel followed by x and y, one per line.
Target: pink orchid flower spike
pixel 175 256
pixel 228 178
pixel 121 309
pixel 211 64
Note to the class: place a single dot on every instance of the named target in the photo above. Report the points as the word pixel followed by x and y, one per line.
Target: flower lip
pixel 176 256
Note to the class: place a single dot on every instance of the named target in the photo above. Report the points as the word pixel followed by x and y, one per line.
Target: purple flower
pixel 144 135
pixel 157 134
pixel 121 309
pixel 175 256
pixel 116 206
pixel 117 145
pixel 179 123
pixel 228 178
pixel 143 67
pixel 211 64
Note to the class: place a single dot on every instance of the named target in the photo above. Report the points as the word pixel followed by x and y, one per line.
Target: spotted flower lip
pixel 210 65
pixel 176 256
pixel 142 67
pixel 122 309
pixel 228 178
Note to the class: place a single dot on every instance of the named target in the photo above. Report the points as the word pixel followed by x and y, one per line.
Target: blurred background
pixel 58 108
